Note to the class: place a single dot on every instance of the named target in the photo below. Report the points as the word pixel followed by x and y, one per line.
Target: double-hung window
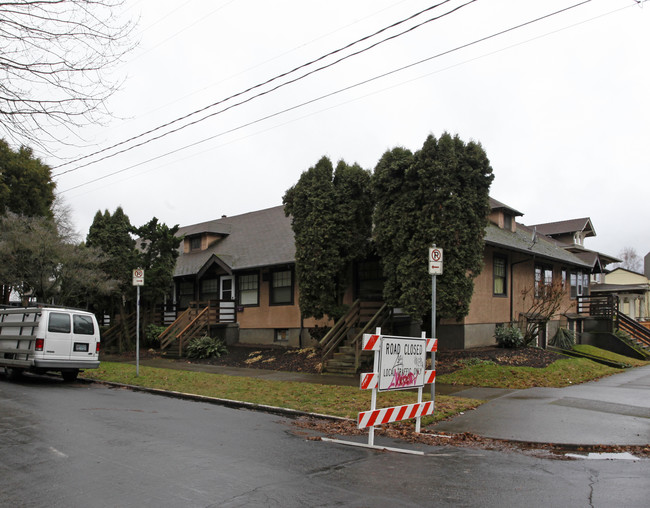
pixel 543 280
pixel 249 289
pixel 499 275
pixel 281 291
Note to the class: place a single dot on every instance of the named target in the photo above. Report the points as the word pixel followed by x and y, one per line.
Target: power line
pixel 275 78
pixel 336 92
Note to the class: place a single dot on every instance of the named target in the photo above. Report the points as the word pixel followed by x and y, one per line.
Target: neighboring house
pixel 247 263
pixel 632 290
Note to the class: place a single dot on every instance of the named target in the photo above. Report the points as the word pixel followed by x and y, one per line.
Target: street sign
pixel 138 277
pixel 435 261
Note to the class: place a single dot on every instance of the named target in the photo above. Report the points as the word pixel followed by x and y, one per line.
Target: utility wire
pixel 275 78
pixel 336 92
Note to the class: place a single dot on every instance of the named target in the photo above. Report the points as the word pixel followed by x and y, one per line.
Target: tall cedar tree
pixel 439 195
pixel 331 220
pixel 112 234
pixel 157 254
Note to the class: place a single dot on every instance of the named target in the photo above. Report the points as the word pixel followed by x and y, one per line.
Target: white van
pixel 42 339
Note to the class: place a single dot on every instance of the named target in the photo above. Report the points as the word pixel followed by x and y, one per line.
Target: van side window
pixel 59 322
pixel 83 325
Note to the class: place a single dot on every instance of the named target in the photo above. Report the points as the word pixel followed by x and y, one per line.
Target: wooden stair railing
pixel 638 332
pixel 337 334
pixel 169 335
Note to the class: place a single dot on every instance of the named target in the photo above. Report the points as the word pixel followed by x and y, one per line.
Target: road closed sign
pixel 435 261
pixel 402 362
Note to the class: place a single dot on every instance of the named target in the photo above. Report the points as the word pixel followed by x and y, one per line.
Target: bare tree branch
pixel 55 58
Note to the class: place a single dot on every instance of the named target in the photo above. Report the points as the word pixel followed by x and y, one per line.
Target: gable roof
pixel 565 227
pixel 498 205
pixel 253 240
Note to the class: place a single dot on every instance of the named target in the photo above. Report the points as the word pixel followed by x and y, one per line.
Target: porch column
pixel 632 300
pixel 642 307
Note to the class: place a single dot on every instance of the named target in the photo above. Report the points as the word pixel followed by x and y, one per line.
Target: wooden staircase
pixel 639 334
pixel 115 337
pixel 194 322
pixel 341 346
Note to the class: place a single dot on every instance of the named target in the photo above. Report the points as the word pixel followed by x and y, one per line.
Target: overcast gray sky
pixel 561 106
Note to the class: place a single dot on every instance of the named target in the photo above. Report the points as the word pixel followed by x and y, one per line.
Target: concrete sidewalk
pixel 611 411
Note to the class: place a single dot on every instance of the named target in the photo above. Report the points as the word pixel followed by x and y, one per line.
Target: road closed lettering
pixel 402 363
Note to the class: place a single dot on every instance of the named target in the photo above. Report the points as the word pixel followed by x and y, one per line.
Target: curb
pixel 236 404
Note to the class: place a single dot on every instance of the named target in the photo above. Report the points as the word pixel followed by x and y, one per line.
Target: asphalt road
pixel 88 445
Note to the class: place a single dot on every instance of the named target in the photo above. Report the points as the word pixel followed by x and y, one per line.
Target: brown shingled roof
pixel 566 226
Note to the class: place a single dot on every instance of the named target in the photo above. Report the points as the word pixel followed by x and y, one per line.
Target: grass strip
pixel 559 374
pixel 334 400
pixel 608 355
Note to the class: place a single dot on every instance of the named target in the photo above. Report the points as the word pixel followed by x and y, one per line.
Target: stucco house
pixel 632 290
pixel 246 263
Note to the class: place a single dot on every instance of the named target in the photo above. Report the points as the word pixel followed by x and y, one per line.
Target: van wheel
pixel 70 375
pixel 13 374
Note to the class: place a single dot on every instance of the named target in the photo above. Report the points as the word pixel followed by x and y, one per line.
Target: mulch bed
pixel 307 360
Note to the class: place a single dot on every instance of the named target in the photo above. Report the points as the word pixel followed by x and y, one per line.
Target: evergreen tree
pixel 439 195
pixel 157 254
pixel 331 222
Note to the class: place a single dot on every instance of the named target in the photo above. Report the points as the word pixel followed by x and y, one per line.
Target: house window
pixel 185 294
pixel 543 280
pixel 281 287
pixel 499 275
pixel 249 289
pixel 195 243
pixel 507 222
pixel 579 284
pixel 563 279
pixel 209 289
pixel 585 284
pixel 574 284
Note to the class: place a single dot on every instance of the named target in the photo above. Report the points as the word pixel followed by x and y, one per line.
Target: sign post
pixel 435 269
pixel 138 280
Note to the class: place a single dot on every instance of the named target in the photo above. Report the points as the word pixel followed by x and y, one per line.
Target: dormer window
pixel 507 222
pixel 195 243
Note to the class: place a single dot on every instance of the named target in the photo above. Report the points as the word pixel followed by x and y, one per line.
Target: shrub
pixel 509 336
pixel 564 339
pixel 205 347
pixel 318 332
pixel 471 362
pixel 151 334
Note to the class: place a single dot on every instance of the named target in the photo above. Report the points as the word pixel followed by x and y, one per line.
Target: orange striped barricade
pixel 398 364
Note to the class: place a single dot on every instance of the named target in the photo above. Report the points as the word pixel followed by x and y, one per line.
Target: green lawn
pixel 348 401
pixel 344 401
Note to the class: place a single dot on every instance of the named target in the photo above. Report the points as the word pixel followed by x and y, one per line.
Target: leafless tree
pixel 541 304
pixel 55 60
pixel 630 260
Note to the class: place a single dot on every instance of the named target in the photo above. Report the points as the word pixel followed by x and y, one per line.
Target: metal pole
pixel 433 329
pixel 137 334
